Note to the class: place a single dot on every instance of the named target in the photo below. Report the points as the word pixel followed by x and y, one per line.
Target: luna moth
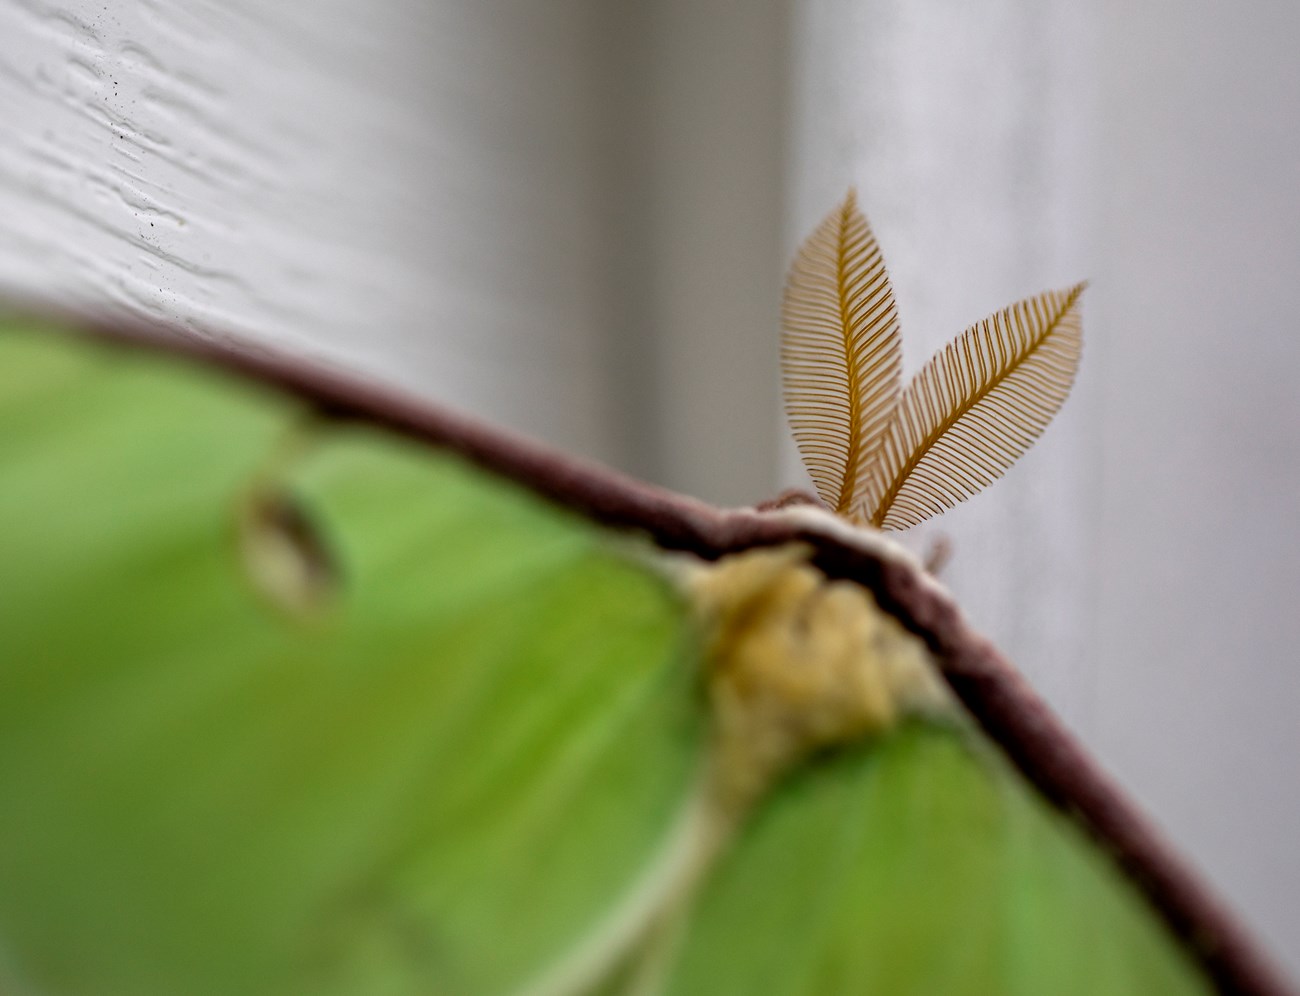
pixel 311 687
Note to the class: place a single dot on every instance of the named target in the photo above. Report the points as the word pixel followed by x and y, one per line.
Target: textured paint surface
pixel 552 215
pixel 1199 439
pixel 330 176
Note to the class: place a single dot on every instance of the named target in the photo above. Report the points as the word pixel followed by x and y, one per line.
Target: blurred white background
pixel 574 217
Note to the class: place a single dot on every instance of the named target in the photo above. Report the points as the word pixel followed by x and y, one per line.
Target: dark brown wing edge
pixel 994 692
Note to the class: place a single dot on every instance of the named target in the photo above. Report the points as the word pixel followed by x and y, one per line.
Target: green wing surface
pixel 454 765
pixel 433 786
pixel 922 864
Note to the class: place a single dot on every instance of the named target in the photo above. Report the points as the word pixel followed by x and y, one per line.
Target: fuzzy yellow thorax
pixel 796 663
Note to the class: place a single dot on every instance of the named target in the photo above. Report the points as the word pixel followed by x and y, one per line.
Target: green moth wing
pixel 922 864
pixel 433 786
pixel 438 747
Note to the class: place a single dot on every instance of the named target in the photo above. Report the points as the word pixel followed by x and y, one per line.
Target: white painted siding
pixel 411 188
